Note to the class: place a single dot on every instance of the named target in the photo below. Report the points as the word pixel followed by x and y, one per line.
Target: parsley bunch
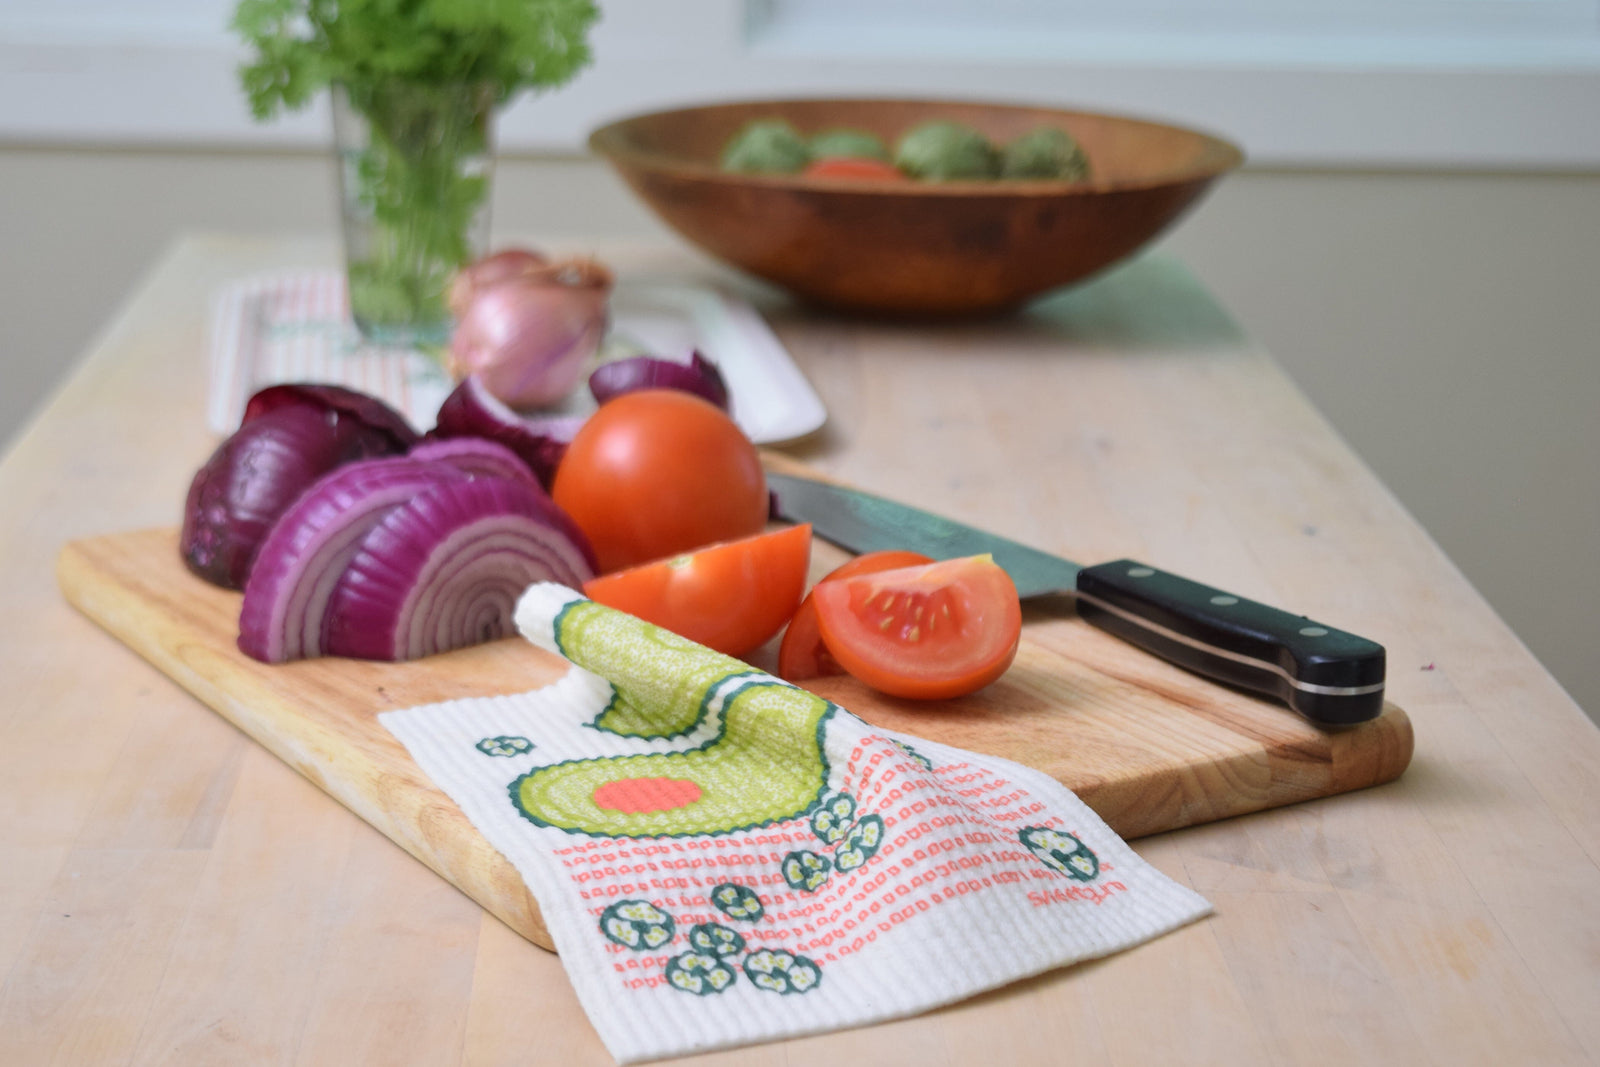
pixel 424 76
pixel 302 46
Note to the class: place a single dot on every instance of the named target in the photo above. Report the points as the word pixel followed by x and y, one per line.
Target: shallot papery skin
pixel 489 271
pixel 528 338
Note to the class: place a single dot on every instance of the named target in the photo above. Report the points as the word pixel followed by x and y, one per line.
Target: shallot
pixel 528 335
pixel 490 270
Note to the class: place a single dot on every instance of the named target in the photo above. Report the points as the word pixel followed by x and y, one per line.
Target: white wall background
pixel 1417 237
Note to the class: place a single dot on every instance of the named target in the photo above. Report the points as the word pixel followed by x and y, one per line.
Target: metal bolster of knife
pixel 1331 677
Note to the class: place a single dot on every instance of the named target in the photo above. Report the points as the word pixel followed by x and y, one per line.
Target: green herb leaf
pixel 302 46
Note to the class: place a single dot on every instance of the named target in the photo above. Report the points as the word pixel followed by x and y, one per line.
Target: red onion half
pixel 288 440
pixel 699 376
pixel 538 440
pixel 475 456
pixel 445 570
pixel 400 557
pixel 365 409
pixel 305 555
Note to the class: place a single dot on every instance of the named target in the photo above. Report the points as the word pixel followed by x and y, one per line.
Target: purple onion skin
pixel 472 411
pixel 362 407
pixel 699 376
pixel 445 570
pixel 258 472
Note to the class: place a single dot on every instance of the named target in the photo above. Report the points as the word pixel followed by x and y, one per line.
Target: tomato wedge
pixel 802 654
pixel 930 632
pixel 732 597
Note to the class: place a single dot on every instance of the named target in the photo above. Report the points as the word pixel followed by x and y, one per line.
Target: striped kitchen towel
pixel 295 326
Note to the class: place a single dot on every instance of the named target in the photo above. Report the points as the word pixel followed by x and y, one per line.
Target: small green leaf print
pixel 1061 852
pixel 860 844
pixel 805 870
pixel 714 939
pixel 636 924
pixel 737 902
pixel 833 818
pixel 699 973
pixel 779 971
pixel 504 746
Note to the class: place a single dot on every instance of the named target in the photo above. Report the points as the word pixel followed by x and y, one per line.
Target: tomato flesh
pixel 657 472
pixel 853 167
pixel 731 597
pixel 803 654
pixel 929 633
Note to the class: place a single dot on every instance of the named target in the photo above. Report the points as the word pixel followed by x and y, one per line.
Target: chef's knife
pixel 1329 676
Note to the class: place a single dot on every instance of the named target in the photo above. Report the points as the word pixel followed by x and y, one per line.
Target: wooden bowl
pixel 914 248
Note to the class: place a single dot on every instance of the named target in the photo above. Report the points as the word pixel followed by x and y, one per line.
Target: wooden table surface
pixel 171 893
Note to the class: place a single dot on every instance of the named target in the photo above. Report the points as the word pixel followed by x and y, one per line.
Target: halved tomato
pixel 731 597
pixel 930 632
pixel 802 654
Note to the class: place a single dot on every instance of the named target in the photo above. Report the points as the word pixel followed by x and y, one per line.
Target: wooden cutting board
pixel 1147 746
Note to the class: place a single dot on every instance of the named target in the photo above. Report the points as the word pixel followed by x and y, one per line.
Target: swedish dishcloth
pixel 724 858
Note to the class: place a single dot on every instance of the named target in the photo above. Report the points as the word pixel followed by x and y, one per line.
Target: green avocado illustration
pixel 764 764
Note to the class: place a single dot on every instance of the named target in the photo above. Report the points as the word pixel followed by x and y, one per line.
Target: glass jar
pixel 415 162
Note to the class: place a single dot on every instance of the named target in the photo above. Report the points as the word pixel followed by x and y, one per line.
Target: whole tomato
pixel 658 472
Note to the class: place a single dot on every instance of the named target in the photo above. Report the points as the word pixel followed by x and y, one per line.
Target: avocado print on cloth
pixel 723 858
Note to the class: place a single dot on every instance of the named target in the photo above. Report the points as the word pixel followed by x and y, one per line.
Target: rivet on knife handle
pixel 1331 677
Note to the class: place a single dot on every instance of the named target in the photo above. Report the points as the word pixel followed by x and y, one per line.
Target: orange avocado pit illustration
pixel 635 796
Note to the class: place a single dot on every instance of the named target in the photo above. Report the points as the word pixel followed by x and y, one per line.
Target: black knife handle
pixel 1331 677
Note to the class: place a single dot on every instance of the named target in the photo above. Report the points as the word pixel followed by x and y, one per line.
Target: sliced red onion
pixel 699 376
pixel 445 570
pixel 539 441
pixel 475 456
pixel 368 410
pixel 258 472
pixel 305 554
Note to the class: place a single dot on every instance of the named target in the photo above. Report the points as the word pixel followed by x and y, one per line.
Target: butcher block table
pixel 173 892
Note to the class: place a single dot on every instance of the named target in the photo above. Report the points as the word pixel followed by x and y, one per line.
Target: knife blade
pixel 1329 676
